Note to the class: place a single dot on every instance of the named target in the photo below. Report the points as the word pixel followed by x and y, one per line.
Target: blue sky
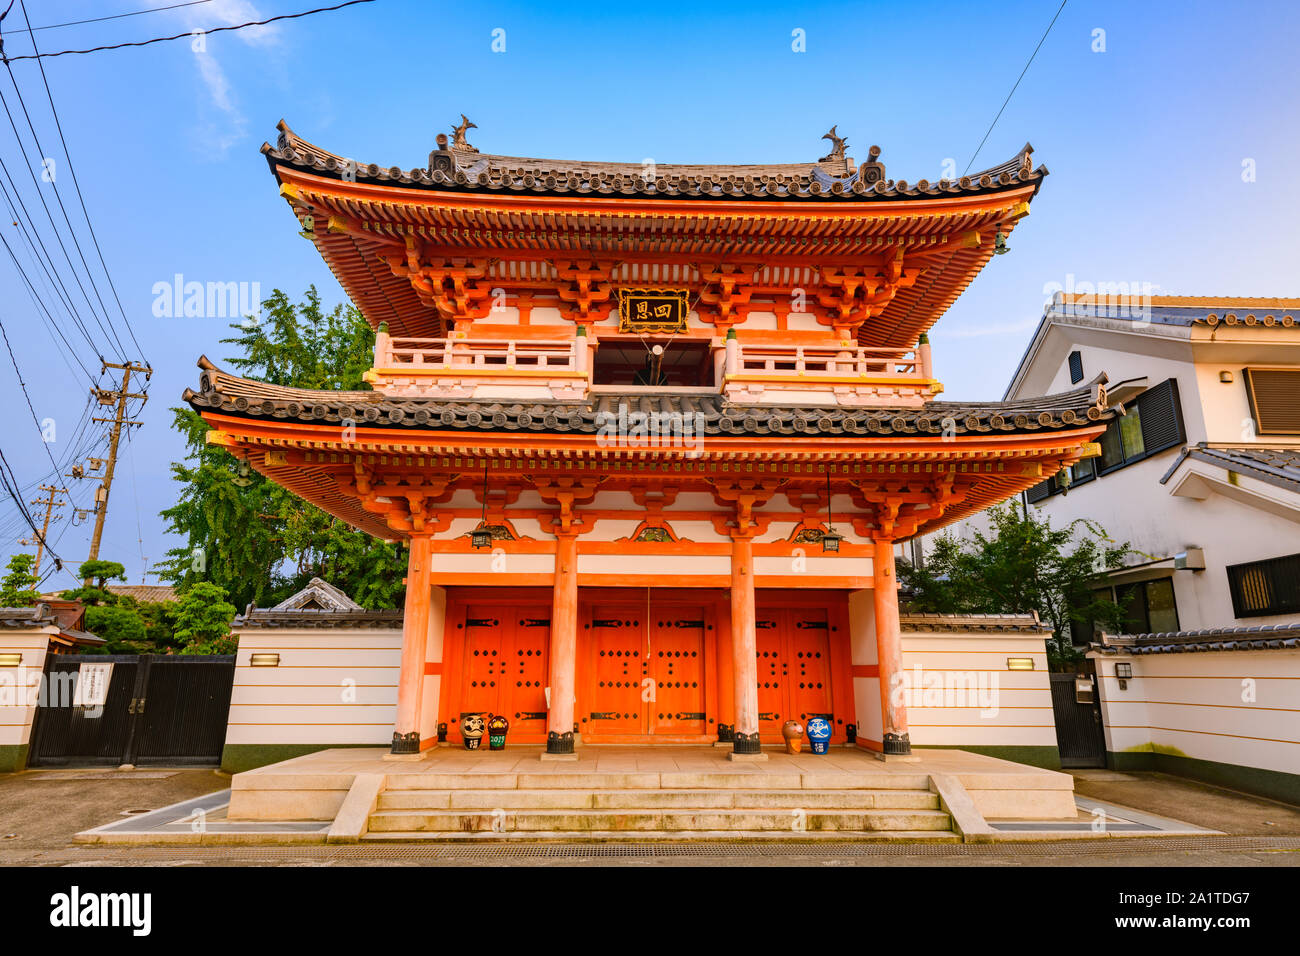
pixel 1145 141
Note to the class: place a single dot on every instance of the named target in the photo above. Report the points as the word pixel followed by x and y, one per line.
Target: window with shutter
pixel 1153 423
pixel 1076 368
pixel 1265 587
pixel 1274 399
pixel 1039 491
pixel 1162 417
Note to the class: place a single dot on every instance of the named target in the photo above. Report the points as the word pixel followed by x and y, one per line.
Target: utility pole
pixel 51 502
pixel 118 397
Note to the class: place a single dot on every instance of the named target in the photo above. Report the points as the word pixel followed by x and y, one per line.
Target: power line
pixel 22 5
pixel 58 197
pixel 189 34
pixel 119 16
pixel 1013 88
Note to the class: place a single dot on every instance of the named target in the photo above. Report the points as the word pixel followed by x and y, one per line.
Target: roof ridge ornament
pixel 458 142
pixel 838 144
pixel 872 171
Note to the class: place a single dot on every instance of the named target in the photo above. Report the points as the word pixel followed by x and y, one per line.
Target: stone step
pixel 579 821
pixel 657 799
pixel 665 780
pixel 664 836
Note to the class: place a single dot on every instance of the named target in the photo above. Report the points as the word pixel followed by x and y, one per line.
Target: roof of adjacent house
pixel 25 618
pixel 318 595
pixel 1261 637
pixel 831 178
pixel 314 617
pixel 228 394
pixel 144 593
pixel 1274 466
pixel 960 623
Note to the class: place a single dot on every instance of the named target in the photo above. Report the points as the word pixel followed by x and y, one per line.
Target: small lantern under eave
pixel 481 537
pixel 1000 246
pixel 831 541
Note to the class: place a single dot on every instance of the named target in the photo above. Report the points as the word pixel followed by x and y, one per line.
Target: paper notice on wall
pixel 92 685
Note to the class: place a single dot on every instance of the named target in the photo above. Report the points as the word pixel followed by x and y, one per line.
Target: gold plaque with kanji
pixel 652 310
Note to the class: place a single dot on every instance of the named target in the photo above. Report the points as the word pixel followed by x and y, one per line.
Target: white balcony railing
pixel 431 354
pixel 830 361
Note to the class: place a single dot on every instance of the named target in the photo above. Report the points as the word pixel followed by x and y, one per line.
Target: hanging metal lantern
pixel 830 539
pixel 1000 244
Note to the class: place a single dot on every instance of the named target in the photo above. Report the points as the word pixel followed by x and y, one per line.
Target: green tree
pixel 16 588
pixel 245 533
pixel 99 573
pixel 203 619
pixel 1021 564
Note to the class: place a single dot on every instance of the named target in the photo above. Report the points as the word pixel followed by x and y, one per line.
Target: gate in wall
pixel 1079 734
pixel 160 710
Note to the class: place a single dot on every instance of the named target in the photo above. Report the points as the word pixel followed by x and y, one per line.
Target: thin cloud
pixel 229 126
pixel 979 331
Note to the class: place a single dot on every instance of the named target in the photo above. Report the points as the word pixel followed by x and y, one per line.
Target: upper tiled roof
pixel 457 170
pixel 229 394
pixel 1275 466
pixel 145 593
pixel 1262 637
pixel 961 623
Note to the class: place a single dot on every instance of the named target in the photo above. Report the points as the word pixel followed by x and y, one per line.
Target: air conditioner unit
pixel 1193 559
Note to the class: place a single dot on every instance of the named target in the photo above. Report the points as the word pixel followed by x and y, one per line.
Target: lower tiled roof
pixel 229 394
pixel 1260 637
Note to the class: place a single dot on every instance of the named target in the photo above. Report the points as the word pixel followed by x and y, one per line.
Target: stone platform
pixel 613 792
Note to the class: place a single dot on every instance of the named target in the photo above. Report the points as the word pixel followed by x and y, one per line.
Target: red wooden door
pixel 676 665
pixel 613 701
pixel 524 700
pixel 773 672
pixel 483 665
pixel 808 640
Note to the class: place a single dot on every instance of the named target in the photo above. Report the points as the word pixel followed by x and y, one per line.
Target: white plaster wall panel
pixel 866 699
pixel 701 532
pixel 1193 703
pixel 485 562
pixel 862 628
pixel 547 316
pixel 16 714
pixel 998 706
pixel 812 564
pixel 610 529
pixel 429 707
pixel 302 700
pixel 666 564
pixel 755 321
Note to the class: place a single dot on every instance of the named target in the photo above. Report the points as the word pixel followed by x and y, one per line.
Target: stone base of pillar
pixel 726 733
pixel 559 743
pixel 746 758
pixel 897 744
pixel 405 743
pixel 747 744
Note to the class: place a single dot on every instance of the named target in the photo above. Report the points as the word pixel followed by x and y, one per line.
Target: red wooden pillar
pixel 889 649
pixel 744 645
pixel 564 645
pixel 415 636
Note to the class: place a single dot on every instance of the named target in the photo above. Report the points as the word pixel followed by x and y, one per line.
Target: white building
pixel 1202 475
